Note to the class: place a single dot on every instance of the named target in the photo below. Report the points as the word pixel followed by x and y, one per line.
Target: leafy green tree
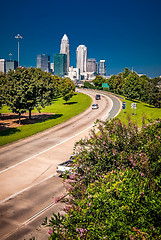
pixel 28 88
pixel 98 82
pixel 2 88
pixel 131 86
pixel 16 91
pixel 126 72
pixel 116 83
pixel 88 85
pixel 115 190
pixel 67 89
pixel 154 93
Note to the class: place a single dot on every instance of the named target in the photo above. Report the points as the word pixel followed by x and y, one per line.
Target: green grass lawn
pixel 142 110
pixel 77 104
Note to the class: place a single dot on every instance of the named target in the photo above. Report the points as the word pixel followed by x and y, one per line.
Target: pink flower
pixel 89 204
pixel 72 176
pixel 67 207
pixel 56 200
pixel 50 231
pixel 142 174
pixel 89 196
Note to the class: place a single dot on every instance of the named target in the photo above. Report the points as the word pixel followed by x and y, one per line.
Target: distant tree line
pixel 24 89
pixel 132 86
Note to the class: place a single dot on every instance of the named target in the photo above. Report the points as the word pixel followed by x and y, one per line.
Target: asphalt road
pixel 28 179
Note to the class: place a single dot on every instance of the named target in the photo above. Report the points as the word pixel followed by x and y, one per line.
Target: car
pixel 98 97
pixel 66 166
pixel 95 106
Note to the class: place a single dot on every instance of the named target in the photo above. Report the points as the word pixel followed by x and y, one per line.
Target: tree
pixel 131 86
pixel 114 192
pixel 126 72
pixel 28 88
pixel 16 91
pixel 98 82
pixel 2 88
pixel 154 96
pixel 88 85
pixel 67 89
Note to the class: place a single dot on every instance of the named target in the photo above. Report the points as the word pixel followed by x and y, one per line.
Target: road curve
pixel 28 177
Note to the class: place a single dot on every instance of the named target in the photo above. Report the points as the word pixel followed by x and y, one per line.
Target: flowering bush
pixel 115 189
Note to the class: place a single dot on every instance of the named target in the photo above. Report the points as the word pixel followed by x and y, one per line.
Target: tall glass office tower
pixel 11 65
pixel 43 62
pixel 64 48
pixel 102 68
pixel 92 65
pixel 60 64
pixel 81 55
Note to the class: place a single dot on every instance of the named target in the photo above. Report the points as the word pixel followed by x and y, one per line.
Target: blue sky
pixel 125 33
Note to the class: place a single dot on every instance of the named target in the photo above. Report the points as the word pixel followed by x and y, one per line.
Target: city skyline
pixel 125 34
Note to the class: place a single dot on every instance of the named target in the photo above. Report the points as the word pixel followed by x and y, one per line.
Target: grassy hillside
pixel 143 110
pixel 62 112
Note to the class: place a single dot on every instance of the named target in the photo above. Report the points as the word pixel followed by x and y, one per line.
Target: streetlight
pixel 10 56
pixel 18 37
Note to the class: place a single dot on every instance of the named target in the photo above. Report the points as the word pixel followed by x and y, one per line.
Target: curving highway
pixel 28 180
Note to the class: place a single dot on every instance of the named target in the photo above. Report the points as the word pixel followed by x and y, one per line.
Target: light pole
pixel 10 56
pixel 18 37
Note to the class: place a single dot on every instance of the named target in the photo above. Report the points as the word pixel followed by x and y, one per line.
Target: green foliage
pixel 61 112
pixel 134 87
pixel 67 89
pixel 98 82
pixel 115 188
pixel 88 85
pixel 2 88
pixel 27 88
pixel 131 86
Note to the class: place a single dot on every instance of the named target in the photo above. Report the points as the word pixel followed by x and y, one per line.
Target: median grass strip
pixel 143 110
pixel 77 104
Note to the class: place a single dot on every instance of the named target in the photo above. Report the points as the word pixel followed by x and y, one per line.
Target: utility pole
pixel 18 37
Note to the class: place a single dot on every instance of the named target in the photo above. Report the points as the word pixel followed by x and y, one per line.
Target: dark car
pixel 98 97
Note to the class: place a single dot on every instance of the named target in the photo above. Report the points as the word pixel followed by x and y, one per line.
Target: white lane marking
pixel 25 189
pixel 54 145
pixel 34 185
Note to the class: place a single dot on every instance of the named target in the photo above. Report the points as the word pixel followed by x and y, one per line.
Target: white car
pixel 95 106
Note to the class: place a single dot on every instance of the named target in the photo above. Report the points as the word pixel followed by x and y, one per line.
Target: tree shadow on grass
pixel 9 131
pixel 70 103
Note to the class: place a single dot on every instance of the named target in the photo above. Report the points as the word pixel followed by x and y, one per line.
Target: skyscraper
pixel 43 62
pixel 81 55
pixel 11 65
pixel 102 68
pixel 60 64
pixel 92 65
pixel 2 65
pixel 64 48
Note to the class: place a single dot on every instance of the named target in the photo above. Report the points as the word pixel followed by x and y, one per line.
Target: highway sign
pixel 123 105
pixel 105 85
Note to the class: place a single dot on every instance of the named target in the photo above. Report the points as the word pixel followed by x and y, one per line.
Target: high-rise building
pixel 81 55
pixel 11 65
pixel 74 73
pixel 2 65
pixel 64 48
pixel 92 65
pixel 102 68
pixel 60 64
pixel 43 62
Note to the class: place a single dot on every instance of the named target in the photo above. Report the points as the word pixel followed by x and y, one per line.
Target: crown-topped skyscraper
pixel 64 48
